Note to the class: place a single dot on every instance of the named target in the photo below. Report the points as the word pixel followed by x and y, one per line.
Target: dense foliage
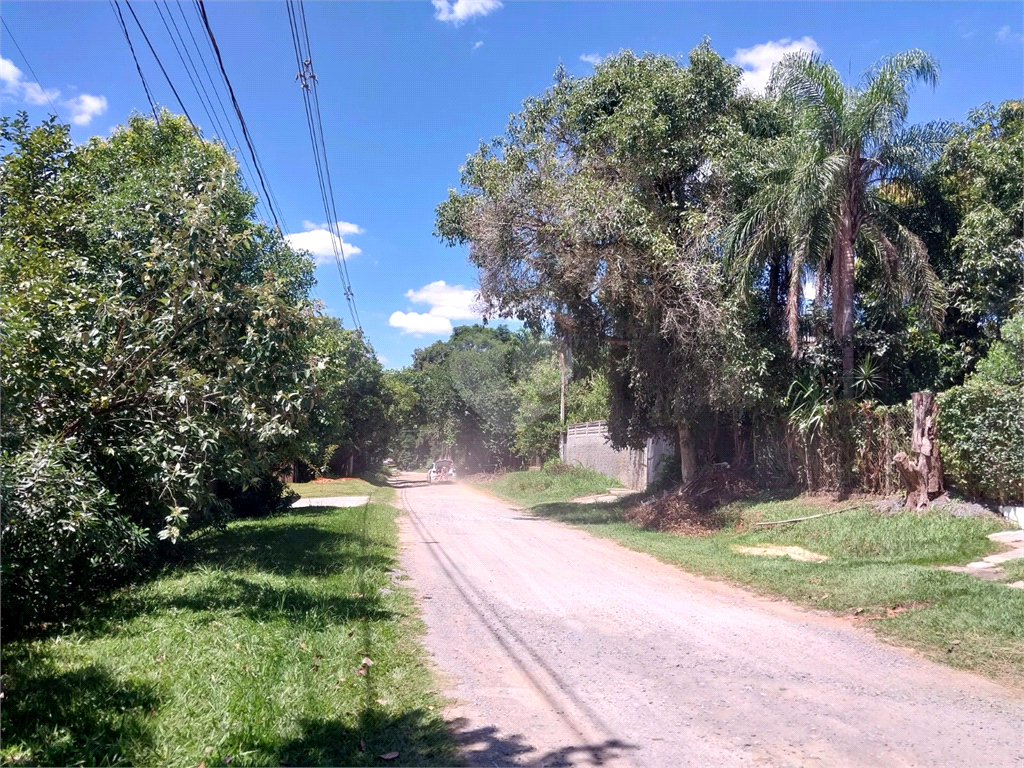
pixel 160 354
pixel 671 230
pixel 982 422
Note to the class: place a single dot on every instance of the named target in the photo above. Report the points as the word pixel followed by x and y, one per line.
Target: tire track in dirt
pixel 561 648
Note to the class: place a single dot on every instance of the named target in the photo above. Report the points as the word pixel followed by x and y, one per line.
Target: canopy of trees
pixel 668 228
pixel 489 399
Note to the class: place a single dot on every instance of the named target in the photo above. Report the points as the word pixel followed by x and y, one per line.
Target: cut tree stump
pixel 922 470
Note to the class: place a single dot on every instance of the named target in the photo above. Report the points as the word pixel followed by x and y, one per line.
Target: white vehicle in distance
pixel 442 471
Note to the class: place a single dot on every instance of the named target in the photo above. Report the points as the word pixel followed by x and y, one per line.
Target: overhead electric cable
pixel 30 70
pixel 244 161
pixel 186 61
pixel 161 65
pixel 238 109
pixel 128 38
pixel 311 101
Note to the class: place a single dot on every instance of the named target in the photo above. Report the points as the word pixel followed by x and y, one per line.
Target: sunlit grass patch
pixel 252 654
pixel 345 486
pixel 551 485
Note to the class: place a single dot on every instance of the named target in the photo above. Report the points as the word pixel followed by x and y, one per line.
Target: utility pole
pixel 564 363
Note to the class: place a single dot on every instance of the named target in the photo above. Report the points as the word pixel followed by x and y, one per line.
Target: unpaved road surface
pixel 560 648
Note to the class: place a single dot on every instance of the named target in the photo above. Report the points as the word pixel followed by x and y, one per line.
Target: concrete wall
pixel 587 445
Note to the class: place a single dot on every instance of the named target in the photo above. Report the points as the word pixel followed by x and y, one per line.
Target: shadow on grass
pixel 418 736
pixel 291 549
pixel 423 738
pixel 581 514
pixel 80 717
pixel 263 602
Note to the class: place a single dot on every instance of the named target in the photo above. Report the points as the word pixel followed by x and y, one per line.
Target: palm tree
pixel 831 187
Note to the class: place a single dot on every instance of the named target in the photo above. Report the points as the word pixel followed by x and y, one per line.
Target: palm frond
pixel 918 279
pixel 908 153
pixel 811 85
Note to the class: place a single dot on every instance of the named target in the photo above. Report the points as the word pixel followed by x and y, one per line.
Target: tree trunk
pixel 843 297
pixel 774 290
pixel 687 454
pixel 793 296
pixel 922 474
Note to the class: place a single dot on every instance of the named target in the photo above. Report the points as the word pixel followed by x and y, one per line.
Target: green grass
pixel 249 654
pixel 1014 570
pixel 539 487
pixel 348 486
pixel 881 570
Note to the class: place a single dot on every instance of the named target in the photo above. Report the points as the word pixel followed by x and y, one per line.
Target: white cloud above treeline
pixel 459 11
pixel 13 84
pixel 319 240
pixel 757 61
pixel 447 303
pixel 592 58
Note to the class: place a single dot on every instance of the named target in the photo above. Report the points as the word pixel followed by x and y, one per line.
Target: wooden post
pixel 922 474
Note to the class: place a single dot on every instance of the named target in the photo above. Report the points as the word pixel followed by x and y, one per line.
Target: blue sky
pixel 409 89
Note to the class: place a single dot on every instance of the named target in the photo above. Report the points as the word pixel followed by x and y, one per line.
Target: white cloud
pixel 447 303
pixel 1006 34
pixel 17 87
pixel 477 44
pixel 452 302
pixel 757 61
pixel 460 10
pixel 592 58
pixel 85 107
pixel 319 240
pixel 9 74
pixel 419 324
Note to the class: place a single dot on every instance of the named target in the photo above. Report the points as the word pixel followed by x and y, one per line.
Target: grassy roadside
pixel 881 569
pixel 255 652
pixel 346 486
pixel 549 486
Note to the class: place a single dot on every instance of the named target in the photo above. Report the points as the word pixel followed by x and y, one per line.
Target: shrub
pixel 981 435
pixel 61 535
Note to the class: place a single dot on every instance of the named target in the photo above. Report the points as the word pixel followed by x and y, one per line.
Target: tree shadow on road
pixel 581 514
pixel 486 747
pixel 398 483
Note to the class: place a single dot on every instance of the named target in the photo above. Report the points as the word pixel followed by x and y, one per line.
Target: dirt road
pixel 564 649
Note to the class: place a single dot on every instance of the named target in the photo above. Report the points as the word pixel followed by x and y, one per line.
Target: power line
pixel 267 201
pixel 138 67
pixel 30 70
pixel 238 110
pixel 160 64
pixel 186 61
pixel 311 100
pixel 244 159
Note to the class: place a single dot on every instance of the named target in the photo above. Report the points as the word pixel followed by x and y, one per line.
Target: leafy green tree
pixel 598 215
pixel 979 174
pixel 467 397
pixel 351 402
pixel 832 187
pixel 156 326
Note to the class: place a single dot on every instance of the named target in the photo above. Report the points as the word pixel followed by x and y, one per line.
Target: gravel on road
pixel 561 648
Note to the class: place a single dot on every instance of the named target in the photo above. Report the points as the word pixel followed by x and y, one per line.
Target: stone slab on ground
pixel 600 499
pixel 1009 537
pixel 775 550
pixel 988 573
pixel 333 501
pixel 1002 557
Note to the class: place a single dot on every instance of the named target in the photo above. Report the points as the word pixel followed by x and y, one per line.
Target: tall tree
pixel 830 192
pixel 596 216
